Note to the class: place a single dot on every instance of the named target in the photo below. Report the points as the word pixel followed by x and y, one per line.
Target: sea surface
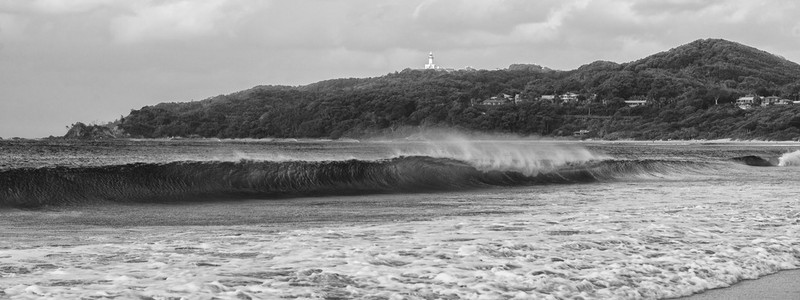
pixel 443 218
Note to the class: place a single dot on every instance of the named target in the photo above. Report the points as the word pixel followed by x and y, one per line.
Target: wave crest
pixel 520 156
pixel 789 159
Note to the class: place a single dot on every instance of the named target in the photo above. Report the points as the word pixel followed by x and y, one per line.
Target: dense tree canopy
pixel 690 91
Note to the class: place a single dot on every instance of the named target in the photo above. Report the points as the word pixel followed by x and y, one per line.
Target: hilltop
pixel 689 91
pixel 724 62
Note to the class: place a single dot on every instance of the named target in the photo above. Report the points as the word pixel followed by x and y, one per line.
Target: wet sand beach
pixel 784 285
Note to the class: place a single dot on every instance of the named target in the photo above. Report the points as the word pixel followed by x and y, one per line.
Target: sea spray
pixel 507 154
pixel 790 159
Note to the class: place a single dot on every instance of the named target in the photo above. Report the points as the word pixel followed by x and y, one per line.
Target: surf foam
pixel 790 159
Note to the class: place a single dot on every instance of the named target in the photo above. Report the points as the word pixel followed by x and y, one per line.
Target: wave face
pixel 753 160
pixel 247 179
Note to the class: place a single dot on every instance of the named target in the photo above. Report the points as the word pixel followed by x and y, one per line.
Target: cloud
pixel 549 29
pixel 486 23
pixel 56 7
pixel 69 6
pixel 11 26
pixel 473 24
pixel 378 27
pixel 497 16
pixel 671 7
pixel 181 19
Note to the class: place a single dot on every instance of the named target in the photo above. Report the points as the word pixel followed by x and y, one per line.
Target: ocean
pixel 443 218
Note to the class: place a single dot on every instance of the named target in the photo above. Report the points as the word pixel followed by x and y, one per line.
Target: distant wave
pixel 215 180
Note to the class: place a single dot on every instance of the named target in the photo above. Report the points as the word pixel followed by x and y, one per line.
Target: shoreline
pixel 777 286
pixel 407 139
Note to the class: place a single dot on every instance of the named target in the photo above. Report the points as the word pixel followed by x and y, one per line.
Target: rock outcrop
pixel 91 132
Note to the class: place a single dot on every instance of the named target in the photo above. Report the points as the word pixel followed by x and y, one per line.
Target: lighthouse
pixel 430 65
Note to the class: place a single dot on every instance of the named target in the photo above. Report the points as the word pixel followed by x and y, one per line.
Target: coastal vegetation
pixel 80 130
pixel 690 93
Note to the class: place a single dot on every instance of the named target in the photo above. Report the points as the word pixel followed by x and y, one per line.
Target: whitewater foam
pixel 569 248
pixel 790 159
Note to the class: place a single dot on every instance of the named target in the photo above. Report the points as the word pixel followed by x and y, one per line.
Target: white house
pixel 551 98
pixel 770 100
pixel 746 101
pixel 569 97
pixel 635 103
pixel 494 101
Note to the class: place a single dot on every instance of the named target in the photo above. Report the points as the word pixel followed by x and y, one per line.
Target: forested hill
pixel 689 90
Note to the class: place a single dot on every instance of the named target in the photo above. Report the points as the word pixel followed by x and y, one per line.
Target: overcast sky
pixel 63 61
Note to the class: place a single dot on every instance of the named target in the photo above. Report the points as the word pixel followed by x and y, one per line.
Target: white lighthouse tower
pixel 430 65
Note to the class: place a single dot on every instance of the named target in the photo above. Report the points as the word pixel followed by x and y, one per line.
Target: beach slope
pixel 779 286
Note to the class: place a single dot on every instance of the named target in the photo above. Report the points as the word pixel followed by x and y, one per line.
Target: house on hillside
pixel 746 102
pixel 774 100
pixel 770 100
pixel 551 98
pixel 500 100
pixel 634 102
pixel 518 99
pixel 580 133
pixel 494 101
pixel 569 97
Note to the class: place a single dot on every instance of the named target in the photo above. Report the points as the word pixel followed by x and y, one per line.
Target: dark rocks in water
pixel 752 160
pixel 91 132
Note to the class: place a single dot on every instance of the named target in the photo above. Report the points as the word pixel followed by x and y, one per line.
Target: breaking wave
pixel 753 160
pixel 503 155
pixel 248 179
pixel 785 160
pixel 790 159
